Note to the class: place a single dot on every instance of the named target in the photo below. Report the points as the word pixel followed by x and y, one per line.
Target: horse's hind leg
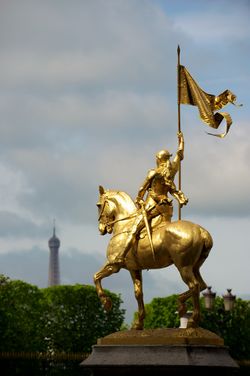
pixel 189 278
pixel 196 270
pixel 202 283
pixel 106 271
pixel 197 276
pixel 137 281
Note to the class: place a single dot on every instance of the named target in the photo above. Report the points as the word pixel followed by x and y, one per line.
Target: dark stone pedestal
pixel 160 352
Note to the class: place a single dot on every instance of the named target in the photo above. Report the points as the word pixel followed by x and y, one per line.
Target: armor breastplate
pixel 158 185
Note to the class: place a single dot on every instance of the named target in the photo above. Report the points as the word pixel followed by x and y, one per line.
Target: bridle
pixel 109 223
pixel 102 209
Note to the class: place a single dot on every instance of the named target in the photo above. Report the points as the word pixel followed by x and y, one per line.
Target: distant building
pixel 54 270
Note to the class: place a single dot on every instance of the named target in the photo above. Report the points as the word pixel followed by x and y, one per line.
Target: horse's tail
pixel 207 242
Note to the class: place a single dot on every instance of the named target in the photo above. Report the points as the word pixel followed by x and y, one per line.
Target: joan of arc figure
pixel 158 183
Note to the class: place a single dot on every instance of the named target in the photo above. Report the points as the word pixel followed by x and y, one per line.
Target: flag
pixel 191 93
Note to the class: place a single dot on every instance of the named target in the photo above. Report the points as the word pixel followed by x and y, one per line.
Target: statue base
pixel 161 352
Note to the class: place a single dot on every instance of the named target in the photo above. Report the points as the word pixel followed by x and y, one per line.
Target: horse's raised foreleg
pixel 194 292
pixel 106 271
pixel 137 281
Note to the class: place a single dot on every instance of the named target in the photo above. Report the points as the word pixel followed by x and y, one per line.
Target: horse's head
pixel 105 212
pixel 112 207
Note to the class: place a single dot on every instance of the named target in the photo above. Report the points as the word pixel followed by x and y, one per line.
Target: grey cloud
pixel 78 44
pixel 216 174
pixel 69 121
pixel 15 226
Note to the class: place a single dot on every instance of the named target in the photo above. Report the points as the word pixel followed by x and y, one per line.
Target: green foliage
pixel 233 326
pixel 21 322
pixel 161 313
pixel 75 318
pixel 60 318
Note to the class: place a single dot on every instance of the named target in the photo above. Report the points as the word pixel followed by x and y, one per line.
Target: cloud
pixel 79 45
pixel 13 185
pixel 12 224
pixel 216 24
pixel 215 174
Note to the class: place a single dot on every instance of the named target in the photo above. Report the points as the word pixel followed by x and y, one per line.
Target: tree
pixel 75 318
pixel 56 319
pixel 162 313
pixel 21 321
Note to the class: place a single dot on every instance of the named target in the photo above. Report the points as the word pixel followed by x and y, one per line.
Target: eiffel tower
pixel 54 270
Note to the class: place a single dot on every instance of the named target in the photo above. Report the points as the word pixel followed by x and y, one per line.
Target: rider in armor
pixel 158 183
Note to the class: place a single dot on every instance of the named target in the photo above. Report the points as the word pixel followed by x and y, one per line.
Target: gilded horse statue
pixel 182 243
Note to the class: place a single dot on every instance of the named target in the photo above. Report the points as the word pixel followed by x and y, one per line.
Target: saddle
pixel 156 223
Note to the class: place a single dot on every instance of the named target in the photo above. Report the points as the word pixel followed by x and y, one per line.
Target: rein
pixel 116 220
pixel 121 219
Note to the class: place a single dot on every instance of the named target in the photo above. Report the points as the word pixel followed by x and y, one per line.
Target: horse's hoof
pixel 107 303
pixel 137 326
pixel 192 324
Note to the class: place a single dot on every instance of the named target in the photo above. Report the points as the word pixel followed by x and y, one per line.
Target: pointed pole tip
pixel 54 227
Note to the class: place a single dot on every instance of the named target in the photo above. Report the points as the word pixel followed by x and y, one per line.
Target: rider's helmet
pixel 163 156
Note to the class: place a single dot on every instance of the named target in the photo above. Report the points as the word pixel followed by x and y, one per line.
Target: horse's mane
pixel 122 199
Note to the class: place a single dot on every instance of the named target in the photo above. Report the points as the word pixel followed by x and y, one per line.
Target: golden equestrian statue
pixel 143 236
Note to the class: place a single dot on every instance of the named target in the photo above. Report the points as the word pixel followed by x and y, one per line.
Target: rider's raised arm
pixel 180 152
pixel 145 186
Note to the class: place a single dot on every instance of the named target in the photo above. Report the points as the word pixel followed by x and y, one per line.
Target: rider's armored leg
pixel 129 242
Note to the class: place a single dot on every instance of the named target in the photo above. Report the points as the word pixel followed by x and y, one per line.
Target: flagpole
pixel 179 117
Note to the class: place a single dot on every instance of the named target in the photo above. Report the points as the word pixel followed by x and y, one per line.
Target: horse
pixel 182 243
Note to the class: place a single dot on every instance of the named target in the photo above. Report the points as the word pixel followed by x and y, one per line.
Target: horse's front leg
pixel 106 271
pixel 137 281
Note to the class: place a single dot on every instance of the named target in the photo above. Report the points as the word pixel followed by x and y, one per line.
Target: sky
pixel 88 96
